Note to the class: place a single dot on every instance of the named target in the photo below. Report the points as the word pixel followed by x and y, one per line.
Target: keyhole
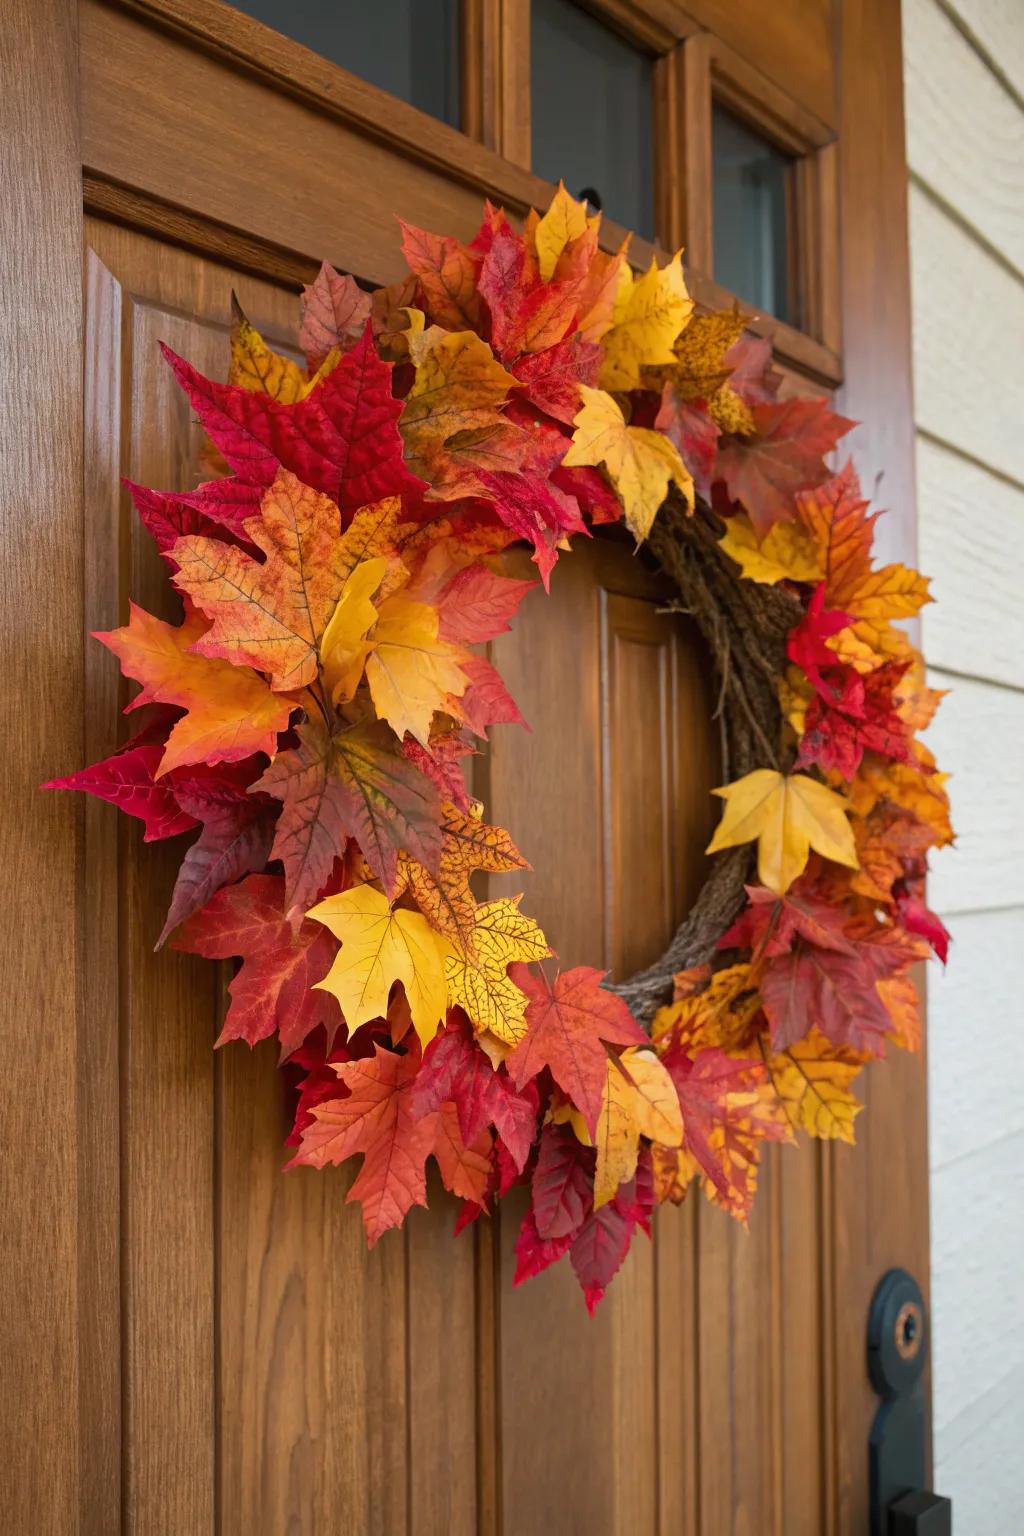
pixel 907 1331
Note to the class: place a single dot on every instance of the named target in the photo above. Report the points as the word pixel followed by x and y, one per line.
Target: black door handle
pixel 897 1351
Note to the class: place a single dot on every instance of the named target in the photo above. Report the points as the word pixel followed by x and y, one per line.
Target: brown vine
pixel 744 625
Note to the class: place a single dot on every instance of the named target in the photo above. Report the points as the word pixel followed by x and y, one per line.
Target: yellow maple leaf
pixel 468 843
pixel 720 1015
pixel 459 388
pixel 903 1003
pixel 795 694
pixel 410 670
pixel 640 463
pixel 375 530
pixel 699 369
pixel 343 645
pixel 477 973
pixel 786 553
pixel 812 1079
pixel 915 701
pixel 566 220
pixel 259 369
pixel 650 311
pixel 639 1099
pixel 380 945
pixel 914 789
pixel 788 814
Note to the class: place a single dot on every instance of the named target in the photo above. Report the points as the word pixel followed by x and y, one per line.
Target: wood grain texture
pixel 99 1168
pixel 168 1015
pixel 960 118
pixel 750 94
pixel 976 625
pixel 593 1468
pixel 791 44
pixel 691 70
pixel 46 1014
pixel 496 86
pixel 734 1321
pixel 656 25
pixel 875 1221
pixel 967 307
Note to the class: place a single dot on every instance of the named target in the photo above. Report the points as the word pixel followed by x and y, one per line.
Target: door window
pixel 408 47
pixel 593 113
pixel 750 196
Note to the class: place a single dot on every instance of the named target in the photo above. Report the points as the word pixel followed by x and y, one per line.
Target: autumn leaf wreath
pixel 312 713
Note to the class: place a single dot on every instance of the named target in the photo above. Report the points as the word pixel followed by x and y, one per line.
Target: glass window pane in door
pixel 749 192
pixel 592 111
pixel 408 47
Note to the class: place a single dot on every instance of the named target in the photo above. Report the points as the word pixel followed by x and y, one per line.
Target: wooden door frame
pixel 60 1414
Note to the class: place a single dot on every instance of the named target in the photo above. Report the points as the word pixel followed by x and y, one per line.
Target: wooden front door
pixel 199 1343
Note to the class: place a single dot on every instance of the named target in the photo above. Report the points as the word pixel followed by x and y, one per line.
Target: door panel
pixel 608 797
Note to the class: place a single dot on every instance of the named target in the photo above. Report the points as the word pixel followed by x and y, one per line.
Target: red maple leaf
pixel 353 784
pixel 602 1243
pixel 599 1244
pixel 441 764
pixel 861 716
pixel 834 990
pixel 563 1183
pixel 486 700
pixel 128 780
pixel 310 1072
pixel 806 643
pixel 237 831
pixel 913 914
pixel 342 439
pixel 752 377
pixel 686 423
pixel 334 314
pixel 721 1128
pixel 272 990
pixel 771 922
pixel 455 1070
pixel 464 1164
pixel 375 1117
pixel 594 495
pixel 477 604
pixel 219 507
pixel 527 314
pixel 568 1026
pixel 447 273
pixel 551 379
pixel 787 455
pixel 534 511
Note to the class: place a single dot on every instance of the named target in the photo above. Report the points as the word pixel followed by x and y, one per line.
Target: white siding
pixel 971 522
pixel 964 70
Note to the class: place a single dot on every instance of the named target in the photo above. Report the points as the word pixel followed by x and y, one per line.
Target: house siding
pixel 964 71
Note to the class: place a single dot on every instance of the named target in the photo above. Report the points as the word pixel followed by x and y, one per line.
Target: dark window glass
pixel 592 107
pixel 750 190
pixel 407 47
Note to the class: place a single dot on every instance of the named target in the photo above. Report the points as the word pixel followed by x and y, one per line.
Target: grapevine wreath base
pixel 311 714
